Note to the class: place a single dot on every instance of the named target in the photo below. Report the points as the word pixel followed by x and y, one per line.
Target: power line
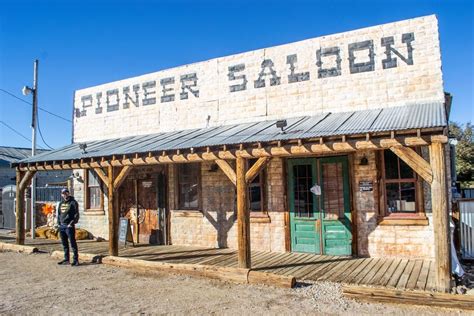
pixel 41 134
pixel 42 109
pixel 16 132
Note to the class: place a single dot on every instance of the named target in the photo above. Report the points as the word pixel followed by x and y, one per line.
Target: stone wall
pixel 216 225
pixel 349 71
pixel 375 240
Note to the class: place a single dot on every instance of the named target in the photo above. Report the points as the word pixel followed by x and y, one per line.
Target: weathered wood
pixel 243 216
pixel 6 247
pixel 415 161
pixel 256 168
pixel 26 178
pixel 121 177
pixel 440 217
pixel 408 297
pixel 228 170
pixel 257 277
pixel 113 214
pixel 102 175
pixel 310 147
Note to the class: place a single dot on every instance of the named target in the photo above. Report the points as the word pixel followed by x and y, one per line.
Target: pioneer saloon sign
pixel 372 67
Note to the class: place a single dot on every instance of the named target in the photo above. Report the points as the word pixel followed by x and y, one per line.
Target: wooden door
pixel 304 212
pixel 335 206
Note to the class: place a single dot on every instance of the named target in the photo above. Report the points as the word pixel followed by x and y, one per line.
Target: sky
pixel 85 43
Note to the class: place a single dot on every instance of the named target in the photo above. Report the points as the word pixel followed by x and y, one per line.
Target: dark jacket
pixel 68 212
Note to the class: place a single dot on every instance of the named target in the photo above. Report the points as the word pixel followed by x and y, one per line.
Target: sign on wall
pixel 387 65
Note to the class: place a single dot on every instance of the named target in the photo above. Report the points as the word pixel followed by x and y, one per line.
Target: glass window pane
pixel 405 171
pixel 188 182
pixel 333 190
pixel 391 165
pixel 93 179
pixel 303 198
pixel 94 197
pixel 256 190
pixel 408 197
pixel 393 197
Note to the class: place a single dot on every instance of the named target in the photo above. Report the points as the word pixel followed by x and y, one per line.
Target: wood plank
pixel 382 271
pixel 431 281
pixel 397 274
pixel 440 212
pixel 386 277
pixel 415 161
pixel 402 283
pixel 352 275
pixel 317 261
pixel 338 275
pixel 372 272
pixel 121 177
pixel 393 296
pixel 304 263
pixel 270 262
pixel 324 268
pixel 356 263
pixel 295 259
pixel 414 275
pixel 228 170
pixel 101 173
pixel 256 168
pixel 287 258
pixel 359 277
pixel 421 282
pixel 308 272
pixel 20 209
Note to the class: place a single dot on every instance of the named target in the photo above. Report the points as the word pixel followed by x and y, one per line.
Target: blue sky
pixel 85 43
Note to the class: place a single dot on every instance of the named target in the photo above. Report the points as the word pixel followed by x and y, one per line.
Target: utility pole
pixel 34 119
pixel 33 147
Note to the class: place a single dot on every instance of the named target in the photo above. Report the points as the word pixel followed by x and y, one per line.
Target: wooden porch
pixel 400 274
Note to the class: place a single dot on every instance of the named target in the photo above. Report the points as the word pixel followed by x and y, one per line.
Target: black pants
pixel 69 233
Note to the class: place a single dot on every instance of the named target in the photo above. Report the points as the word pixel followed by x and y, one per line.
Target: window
pixel 400 185
pixel 93 193
pixel 189 183
pixel 256 190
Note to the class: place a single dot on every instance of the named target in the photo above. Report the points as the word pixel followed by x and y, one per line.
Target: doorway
pixel 319 200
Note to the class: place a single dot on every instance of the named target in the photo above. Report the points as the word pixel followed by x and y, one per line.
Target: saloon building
pixel 333 145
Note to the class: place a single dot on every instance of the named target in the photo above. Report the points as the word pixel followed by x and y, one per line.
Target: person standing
pixel 67 215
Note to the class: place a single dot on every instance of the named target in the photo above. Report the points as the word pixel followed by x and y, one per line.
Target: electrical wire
pixel 41 134
pixel 29 103
pixel 17 132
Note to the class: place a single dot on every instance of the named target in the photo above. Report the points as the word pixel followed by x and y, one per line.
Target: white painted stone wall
pixel 217 105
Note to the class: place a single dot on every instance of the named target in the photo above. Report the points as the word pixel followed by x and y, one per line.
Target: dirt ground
pixel 36 284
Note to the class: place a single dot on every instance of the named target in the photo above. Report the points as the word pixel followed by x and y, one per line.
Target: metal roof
pixel 12 154
pixel 416 116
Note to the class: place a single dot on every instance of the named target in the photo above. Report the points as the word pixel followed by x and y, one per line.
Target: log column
pixel 243 220
pixel 23 179
pixel 113 213
pixel 439 204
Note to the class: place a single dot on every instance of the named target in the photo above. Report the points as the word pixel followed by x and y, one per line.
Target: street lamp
pixel 34 91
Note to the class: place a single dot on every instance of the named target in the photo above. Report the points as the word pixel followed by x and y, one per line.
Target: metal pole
pixel 34 121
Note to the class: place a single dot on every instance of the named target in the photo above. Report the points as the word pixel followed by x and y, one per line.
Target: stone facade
pixel 349 71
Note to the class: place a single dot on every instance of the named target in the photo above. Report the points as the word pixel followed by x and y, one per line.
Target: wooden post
pixel 440 217
pixel 113 217
pixel 243 220
pixel 20 210
pixel 23 179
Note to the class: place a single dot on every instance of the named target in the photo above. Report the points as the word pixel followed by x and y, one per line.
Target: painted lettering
pixel 112 106
pixel 165 97
pixel 362 66
pixel 128 98
pixel 149 90
pixel 231 75
pixel 331 71
pixel 391 62
pixel 274 80
pixel 293 77
pixel 188 82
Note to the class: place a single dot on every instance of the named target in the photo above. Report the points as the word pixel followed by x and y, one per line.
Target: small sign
pixel 125 232
pixel 146 184
pixel 366 186
pixel 316 189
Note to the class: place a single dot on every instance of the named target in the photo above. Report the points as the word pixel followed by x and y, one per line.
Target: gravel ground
pixel 36 284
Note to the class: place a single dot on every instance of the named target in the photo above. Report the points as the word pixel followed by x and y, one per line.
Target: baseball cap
pixel 65 190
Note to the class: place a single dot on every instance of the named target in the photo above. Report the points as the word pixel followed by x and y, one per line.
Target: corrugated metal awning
pixel 418 116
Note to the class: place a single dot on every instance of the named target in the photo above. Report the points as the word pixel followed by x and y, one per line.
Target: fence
pixel 48 194
pixel 466 226
pixel 467 193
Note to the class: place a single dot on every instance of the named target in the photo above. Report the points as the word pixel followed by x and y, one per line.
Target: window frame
pixel 419 193
pixel 87 207
pixel 199 189
pixel 263 212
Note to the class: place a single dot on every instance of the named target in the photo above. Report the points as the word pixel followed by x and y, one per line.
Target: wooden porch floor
pixel 392 273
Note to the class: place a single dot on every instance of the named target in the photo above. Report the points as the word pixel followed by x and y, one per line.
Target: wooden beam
pixel 243 218
pixel 101 173
pixel 121 177
pixel 415 161
pixel 20 209
pixel 113 214
pixel 25 181
pixel 256 168
pixel 439 206
pixel 228 170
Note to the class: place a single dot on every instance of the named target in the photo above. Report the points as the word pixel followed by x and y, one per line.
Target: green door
pixel 304 211
pixel 320 221
pixel 335 206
